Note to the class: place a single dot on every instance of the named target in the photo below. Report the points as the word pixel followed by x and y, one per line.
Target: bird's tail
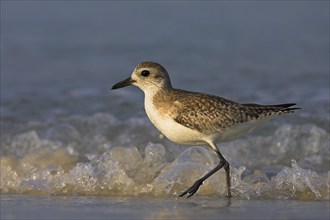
pixel 256 111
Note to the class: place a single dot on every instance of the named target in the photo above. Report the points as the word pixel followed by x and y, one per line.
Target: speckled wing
pixel 211 114
pixel 206 113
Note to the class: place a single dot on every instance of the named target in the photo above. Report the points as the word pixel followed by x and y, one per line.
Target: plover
pixel 193 118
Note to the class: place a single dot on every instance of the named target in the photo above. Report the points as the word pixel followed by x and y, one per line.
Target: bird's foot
pixel 192 190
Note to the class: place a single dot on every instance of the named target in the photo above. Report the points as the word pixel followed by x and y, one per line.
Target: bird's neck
pixel 163 90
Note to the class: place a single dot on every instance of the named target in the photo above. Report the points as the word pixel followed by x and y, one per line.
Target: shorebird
pixel 193 118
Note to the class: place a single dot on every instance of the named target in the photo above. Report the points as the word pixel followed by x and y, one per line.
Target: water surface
pixel 28 207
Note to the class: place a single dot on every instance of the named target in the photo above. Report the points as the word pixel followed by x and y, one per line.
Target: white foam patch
pixel 101 155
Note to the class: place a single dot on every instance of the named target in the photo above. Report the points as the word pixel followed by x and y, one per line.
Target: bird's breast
pixel 163 120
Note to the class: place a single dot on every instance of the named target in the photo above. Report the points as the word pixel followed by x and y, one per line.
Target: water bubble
pixel 197 154
pixel 154 153
pixel 25 142
pixel 64 133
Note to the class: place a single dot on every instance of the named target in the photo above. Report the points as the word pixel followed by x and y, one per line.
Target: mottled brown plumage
pixel 211 114
pixel 196 118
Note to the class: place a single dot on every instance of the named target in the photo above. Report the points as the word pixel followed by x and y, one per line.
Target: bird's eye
pixel 145 73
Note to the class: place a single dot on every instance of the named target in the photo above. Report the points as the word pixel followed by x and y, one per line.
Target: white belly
pixel 173 130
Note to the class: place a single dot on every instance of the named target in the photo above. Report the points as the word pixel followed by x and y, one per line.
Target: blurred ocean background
pixel 68 143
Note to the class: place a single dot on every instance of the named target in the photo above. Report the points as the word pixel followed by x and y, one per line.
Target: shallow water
pixel 64 133
pixel 87 207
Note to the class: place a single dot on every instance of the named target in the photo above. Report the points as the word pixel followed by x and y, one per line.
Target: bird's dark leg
pixel 223 163
pixel 227 170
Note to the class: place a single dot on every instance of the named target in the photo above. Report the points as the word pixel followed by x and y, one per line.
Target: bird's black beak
pixel 126 82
